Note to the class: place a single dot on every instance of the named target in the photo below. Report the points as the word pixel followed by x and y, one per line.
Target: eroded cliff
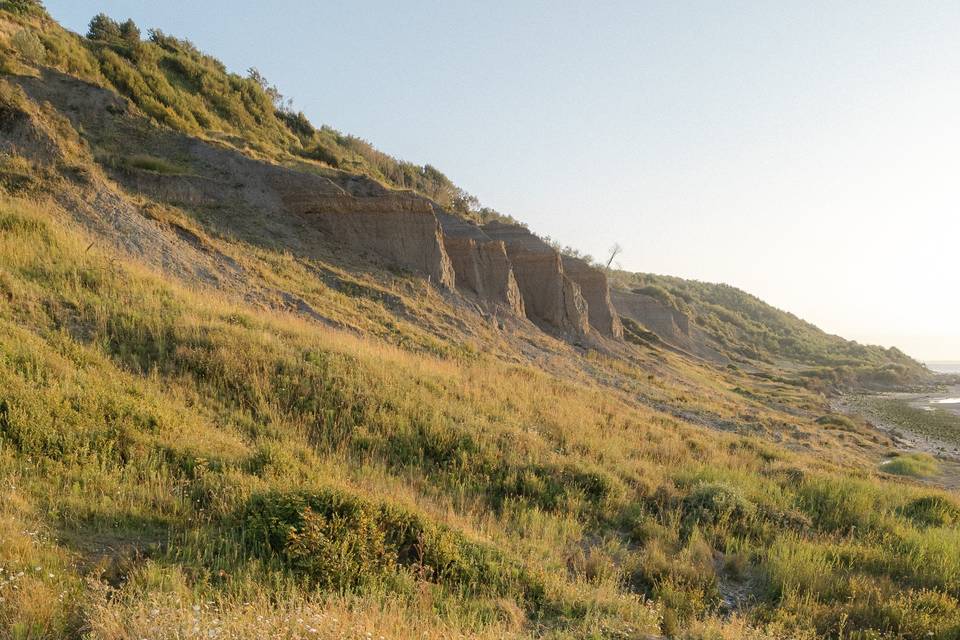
pixel 596 291
pixel 317 212
pixel 550 297
pixel 481 265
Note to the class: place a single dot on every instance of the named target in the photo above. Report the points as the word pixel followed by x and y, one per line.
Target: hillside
pixel 258 379
pixel 729 325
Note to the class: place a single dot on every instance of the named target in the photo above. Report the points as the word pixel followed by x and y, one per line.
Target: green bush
pixel 719 505
pixel 130 32
pixel 341 541
pixel 23 7
pixel 102 27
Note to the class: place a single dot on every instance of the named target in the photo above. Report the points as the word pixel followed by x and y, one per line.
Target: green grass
pixel 150 163
pixel 743 326
pixel 178 462
pixel 248 457
pixel 917 465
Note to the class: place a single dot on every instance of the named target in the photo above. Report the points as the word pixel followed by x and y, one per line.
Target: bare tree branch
pixel 615 250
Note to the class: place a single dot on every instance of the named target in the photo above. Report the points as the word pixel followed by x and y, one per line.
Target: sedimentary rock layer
pixel 399 227
pixel 596 291
pixel 669 324
pixel 481 264
pixel 550 297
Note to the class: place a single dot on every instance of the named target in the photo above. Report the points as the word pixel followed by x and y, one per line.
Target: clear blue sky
pixel 804 151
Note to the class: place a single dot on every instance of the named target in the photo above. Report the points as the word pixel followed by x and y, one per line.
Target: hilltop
pixel 259 379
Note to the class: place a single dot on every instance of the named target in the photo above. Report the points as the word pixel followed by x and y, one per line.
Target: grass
pixel 150 163
pixel 744 327
pixel 178 462
pixel 917 465
pixel 250 471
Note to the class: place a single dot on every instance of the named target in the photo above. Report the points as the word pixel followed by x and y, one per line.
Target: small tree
pixel 464 203
pixel 271 90
pixel 103 27
pixel 615 250
pixel 130 32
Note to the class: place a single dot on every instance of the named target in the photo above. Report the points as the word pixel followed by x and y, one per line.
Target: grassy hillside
pixel 178 86
pixel 162 451
pixel 317 448
pixel 749 329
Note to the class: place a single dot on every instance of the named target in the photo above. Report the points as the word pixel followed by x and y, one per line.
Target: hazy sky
pixel 806 152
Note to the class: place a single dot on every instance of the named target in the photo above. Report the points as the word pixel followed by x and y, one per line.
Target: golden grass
pixel 139 418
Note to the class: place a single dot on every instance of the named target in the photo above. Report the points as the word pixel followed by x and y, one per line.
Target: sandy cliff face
pixel 481 264
pixel 550 297
pixel 399 227
pixel 670 325
pixel 596 291
pixel 503 267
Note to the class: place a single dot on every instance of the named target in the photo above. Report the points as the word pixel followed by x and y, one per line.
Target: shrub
pixel 23 7
pixel 150 163
pixel 717 504
pixel 923 614
pixel 28 45
pixel 17 174
pixel 130 32
pixel 932 511
pixel 342 551
pixel 836 420
pixel 635 333
pixel 553 488
pixel 657 292
pixel 344 542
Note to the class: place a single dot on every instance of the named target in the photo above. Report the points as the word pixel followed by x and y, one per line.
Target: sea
pixel 944 367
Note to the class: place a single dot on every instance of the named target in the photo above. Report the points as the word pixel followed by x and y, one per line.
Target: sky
pixel 806 152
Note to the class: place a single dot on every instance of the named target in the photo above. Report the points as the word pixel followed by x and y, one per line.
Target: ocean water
pixel 944 367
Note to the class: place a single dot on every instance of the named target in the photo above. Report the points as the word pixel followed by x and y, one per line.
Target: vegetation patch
pixel 342 542
pixel 932 511
pixel 145 162
pixel 635 333
pixel 837 420
pixel 916 465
